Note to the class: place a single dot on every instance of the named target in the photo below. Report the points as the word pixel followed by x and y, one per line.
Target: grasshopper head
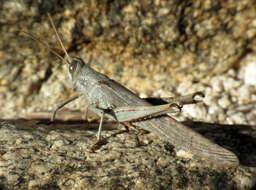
pixel 75 66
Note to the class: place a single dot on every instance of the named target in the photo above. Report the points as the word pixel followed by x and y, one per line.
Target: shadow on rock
pixel 240 139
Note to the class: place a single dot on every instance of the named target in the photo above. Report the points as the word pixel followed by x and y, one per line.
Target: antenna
pixel 44 44
pixel 59 40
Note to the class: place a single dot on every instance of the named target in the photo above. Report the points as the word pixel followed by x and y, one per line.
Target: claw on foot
pixel 98 145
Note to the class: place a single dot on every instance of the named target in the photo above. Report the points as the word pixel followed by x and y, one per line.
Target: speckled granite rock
pixel 159 48
pixel 37 156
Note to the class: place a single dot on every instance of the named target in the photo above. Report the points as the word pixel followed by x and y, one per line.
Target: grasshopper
pixel 109 99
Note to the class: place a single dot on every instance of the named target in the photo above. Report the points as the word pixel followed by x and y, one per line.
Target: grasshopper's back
pixel 174 132
pixel 108 92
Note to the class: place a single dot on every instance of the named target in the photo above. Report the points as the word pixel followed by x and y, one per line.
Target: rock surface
pixel 155 48
pixel 39 156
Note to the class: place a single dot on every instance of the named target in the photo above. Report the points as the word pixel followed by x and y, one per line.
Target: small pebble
pixel 230 83
pixel 198 111
pixel 57 144
pixel 224 101
pixel 250 76
pixel 244 94
pixel 213 113
pixel 237 118
pixel 217 84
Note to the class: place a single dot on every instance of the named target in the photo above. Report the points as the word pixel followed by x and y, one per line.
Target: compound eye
pixel 72 67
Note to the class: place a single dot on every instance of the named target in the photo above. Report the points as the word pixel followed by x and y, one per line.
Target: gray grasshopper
pixel 109 99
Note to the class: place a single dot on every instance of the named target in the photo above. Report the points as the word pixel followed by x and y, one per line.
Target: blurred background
pixel 155 48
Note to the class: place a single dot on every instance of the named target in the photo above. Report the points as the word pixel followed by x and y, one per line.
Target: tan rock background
pixel 149 46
